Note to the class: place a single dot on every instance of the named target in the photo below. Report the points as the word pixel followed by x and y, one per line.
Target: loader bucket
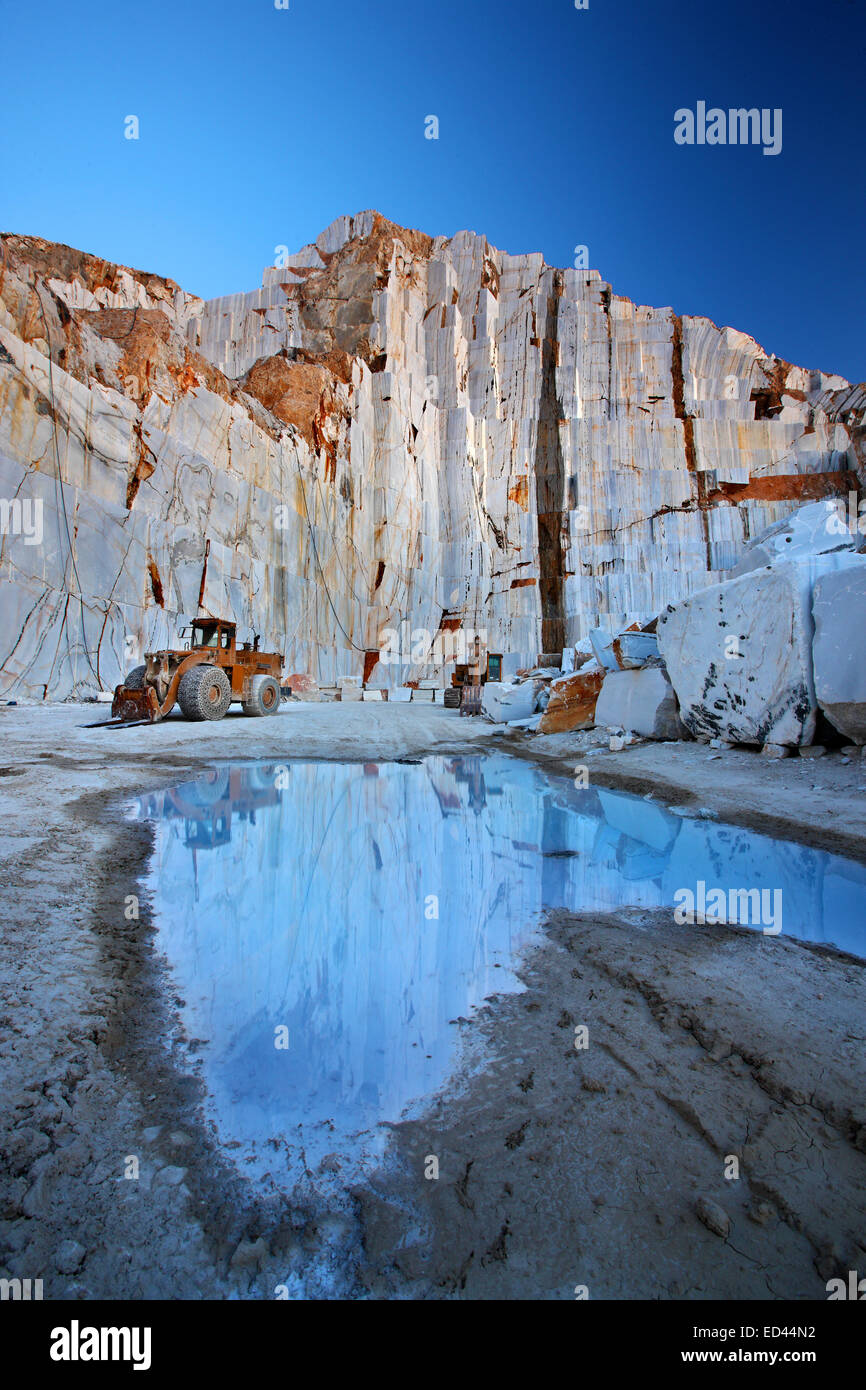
pixel 132 703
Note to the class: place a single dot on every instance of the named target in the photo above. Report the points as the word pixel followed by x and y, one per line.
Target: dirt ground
pixel 602 1169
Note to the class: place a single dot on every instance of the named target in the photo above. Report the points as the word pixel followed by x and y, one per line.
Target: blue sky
pixel 259 126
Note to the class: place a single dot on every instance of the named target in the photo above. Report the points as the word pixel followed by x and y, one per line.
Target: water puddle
pixel 327 923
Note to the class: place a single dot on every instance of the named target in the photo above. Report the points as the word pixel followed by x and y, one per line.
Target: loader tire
pixel 135 679
pixel 209 789
pixel 204 692
pixel 265 696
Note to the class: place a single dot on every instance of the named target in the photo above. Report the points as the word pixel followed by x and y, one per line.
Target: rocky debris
pixel 529 726
pixel 581 742
pixel 839 649
pixel 617 742
pixel 815 529
pixel 304 686
pixel 576 657
pixel 541 673
pixel 628 649
pixel 504 703
pixel 714 1217
pixel 739 654
pixel 776 750
pixel 642 701
pixel 69 1257
pixel 602 647
pixel 634 649
pixel 573 701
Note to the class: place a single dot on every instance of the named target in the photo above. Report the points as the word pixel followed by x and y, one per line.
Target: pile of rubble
pixel 772 657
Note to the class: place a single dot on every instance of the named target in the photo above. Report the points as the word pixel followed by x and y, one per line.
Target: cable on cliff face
pixel 58 487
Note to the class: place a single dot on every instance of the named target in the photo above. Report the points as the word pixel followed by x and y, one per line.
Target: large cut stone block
pixel 643 701
pixel 602 646
pixel 304 686
pixel 815 529
pixel 739 654
pixel 634 649
pixel 839 649
pixel 572 703
pixel 502 703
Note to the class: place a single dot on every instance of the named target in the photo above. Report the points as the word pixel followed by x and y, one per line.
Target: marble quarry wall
pixel 395 433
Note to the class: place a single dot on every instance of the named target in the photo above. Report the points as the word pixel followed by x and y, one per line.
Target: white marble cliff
pixel 395 429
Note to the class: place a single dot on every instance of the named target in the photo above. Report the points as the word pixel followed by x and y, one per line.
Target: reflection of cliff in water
pixel 365 907
pixel 207 805
pixel 347 904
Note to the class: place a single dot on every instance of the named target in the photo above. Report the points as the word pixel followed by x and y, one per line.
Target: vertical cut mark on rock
pixel 550 482
pixel 679 394
pixel 203 573
pixel 605 299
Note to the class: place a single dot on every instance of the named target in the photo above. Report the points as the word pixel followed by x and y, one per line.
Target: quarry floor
pixel 558 1169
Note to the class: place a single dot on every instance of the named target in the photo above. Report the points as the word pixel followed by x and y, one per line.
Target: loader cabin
pixel 219 636
pixel 216 634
